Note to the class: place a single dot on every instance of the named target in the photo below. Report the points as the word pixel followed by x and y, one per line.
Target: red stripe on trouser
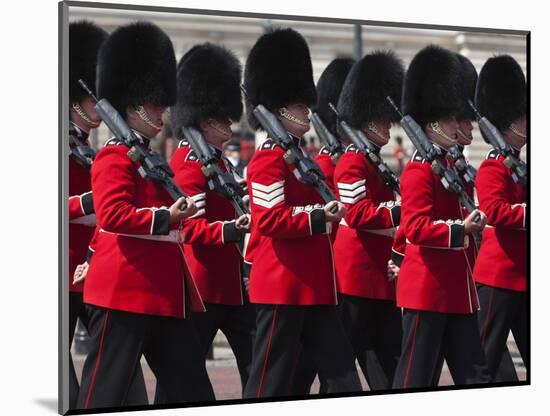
pixel 267 351
pixel 412 350
pixel 98 360
pixel 486 325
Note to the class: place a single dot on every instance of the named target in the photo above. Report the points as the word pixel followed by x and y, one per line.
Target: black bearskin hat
pixel 208 80
pixel 278 72
pixel 329 87
pixel 137 65
pixel 431 89
pixel 369 82
pixel 468 80
pixel 85 39
pixel 501 92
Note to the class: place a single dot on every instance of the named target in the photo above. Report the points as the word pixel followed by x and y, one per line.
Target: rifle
pixel 83 154
pixel 152 165
pixel 327 138
pixel 467 171
pixel 448 177
pixel 309 170
pixel 361 141
pixel 222 182
pixel 493 135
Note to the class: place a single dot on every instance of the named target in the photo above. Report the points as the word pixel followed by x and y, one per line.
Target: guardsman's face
pixel 447 135
pixel 216 131
pixel 87 104
pixel 464 133
pixel 297 121
pixel 377 131
pixel 517 141
pixel 150 122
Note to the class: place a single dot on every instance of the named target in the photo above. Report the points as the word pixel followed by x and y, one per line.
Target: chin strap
pixel 140 111
pixel 373 129
pixel 214 124
pixel 283 112
pixel 515 129
pixel 78 110
pixel 439 131
pixel 461 133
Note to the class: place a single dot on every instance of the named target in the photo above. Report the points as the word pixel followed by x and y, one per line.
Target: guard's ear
pixel 203 124
pixel 131 113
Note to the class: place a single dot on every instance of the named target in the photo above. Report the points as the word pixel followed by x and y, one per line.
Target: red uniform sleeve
pixel 80 205
pixel 491 187
pixel 352 180
pixel 272 214
pixel 197 229
pixel 420 225
pixel 114 178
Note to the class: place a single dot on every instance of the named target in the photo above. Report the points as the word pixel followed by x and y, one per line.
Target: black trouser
pixel 427 335
pixel 506 370
pixel 137 395
pixel 281 331
pixel 118 339
pixel 502 311
pixel 237 323
pixel 76 310
pixel 375 331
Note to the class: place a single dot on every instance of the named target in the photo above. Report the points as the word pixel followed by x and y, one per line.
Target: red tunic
pixel 212 256
pixel 81 218
pixel 289 249
pixel 127 272
pixel 502 259
pixel 434 275
pixel 364 241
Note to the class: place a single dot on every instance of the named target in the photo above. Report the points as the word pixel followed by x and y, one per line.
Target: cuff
pixel 230 234
pixel 246 269
pixel 394 208
pixel 87 203
pixel 456 240
pixel 317 222
pixel 89 255
pixel 161 222
pixel 395 213
pixel 397 258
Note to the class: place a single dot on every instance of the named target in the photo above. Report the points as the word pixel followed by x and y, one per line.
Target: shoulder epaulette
pixel 113 141
pixel 324 151
pixel 352 149
pixel 183 143
pixel 269 144
pixel 493 154
pixel 417 157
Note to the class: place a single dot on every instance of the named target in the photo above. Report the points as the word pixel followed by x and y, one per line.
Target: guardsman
pixel 292 279
pixel 501 267
pixel 138 287
pixel 329 87
pixel 328 91
pixel 435 286
pixel 85 39
pixel 365 237
pixel 209 99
